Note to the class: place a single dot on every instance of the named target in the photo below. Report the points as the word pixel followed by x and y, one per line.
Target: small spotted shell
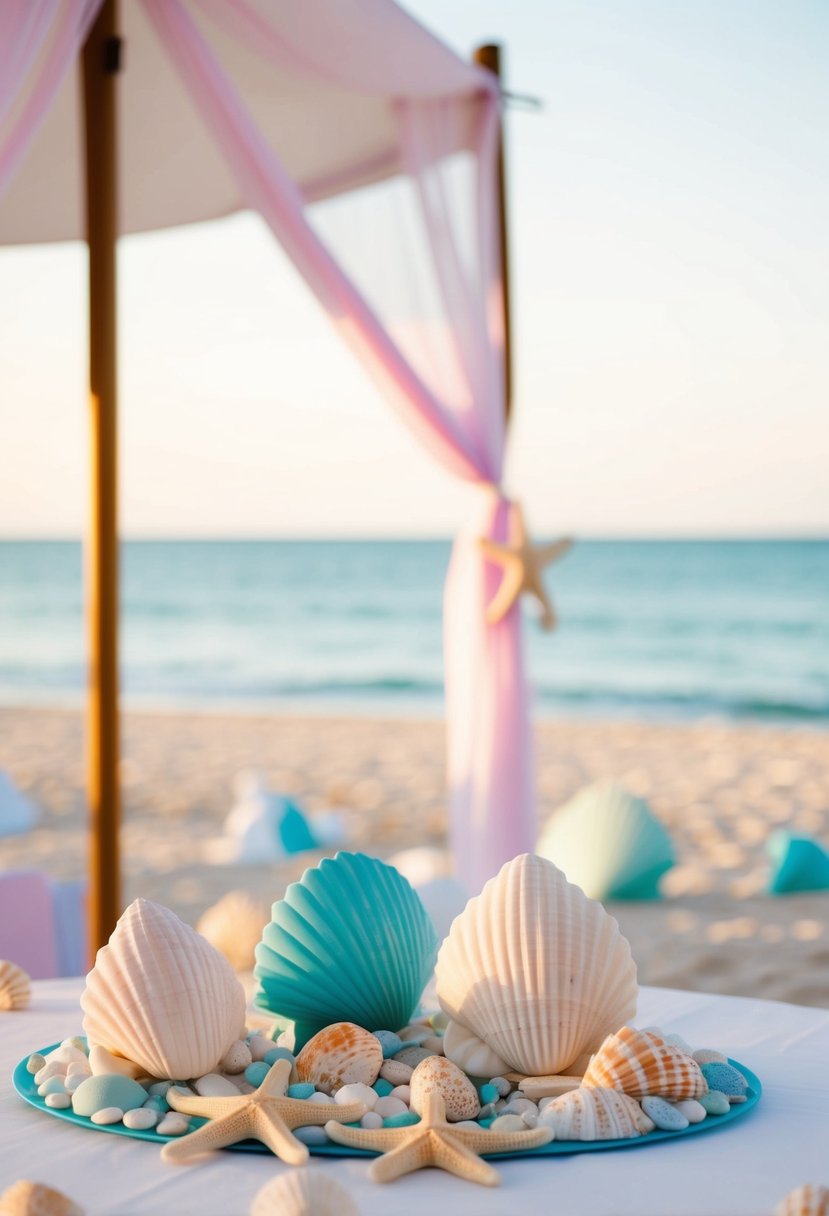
pixel 338 1055
pixel 640 1063
pixel 595 1114
pixel 809 1200
pixel 303 1193
pixel 25 1198
pixel 15 987
pixel 437 1074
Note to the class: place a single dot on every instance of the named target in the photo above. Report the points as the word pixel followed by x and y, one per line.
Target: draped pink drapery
pixel 440 134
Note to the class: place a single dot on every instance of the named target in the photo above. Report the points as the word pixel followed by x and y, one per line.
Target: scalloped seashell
pixel 349 942
pixel 640 1063
pixel 26 1198
pixel 812 1199
pixel 595 1114
pixel 161 996
pixel 609 843
pixel 15 987
pixel 439 1075
pixel 303 1193
pixel 234 927
pixel 342 1054
pixel 537 970
pixel 470 1053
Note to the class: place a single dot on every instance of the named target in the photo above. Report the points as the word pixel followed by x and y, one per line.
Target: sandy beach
pixel 721 790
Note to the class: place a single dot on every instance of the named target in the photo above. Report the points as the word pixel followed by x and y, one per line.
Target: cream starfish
pixel 523 564
pixel 265 1115
pixel 436 1142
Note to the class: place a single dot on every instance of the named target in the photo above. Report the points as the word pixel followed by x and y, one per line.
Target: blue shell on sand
pixel 609 843
pixel 349 942
pixel 798 863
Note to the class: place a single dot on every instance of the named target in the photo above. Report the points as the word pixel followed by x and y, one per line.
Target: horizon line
pixel 816 535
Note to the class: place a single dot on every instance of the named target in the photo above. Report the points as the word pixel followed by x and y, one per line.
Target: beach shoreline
pixel 720 788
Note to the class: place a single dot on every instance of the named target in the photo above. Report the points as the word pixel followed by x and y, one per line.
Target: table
pixel 742 1170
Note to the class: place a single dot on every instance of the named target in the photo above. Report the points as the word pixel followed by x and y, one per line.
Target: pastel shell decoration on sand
pixel 351 942
pixel 303 1193
pixel 234 927
pixel 595 1114
pixel 15 987
pixel 639 1063
pixel 470 1053
pixel 342 1054
pixel 537 970
pixel 160 995
pixel 609 843
pixel 25 1198
pixel 809 1200
pixel 439 1075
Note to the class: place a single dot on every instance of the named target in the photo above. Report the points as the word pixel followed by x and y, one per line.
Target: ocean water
pixel 657 629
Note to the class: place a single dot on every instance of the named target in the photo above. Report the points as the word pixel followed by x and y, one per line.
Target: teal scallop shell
pixel 349 942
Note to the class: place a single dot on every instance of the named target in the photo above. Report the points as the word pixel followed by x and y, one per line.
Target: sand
pixel 721 790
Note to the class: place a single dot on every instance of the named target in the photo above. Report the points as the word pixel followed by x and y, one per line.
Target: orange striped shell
pixel 639 1063
pixel 809 1200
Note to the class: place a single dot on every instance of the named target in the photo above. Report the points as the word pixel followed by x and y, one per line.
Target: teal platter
pixel 23 1082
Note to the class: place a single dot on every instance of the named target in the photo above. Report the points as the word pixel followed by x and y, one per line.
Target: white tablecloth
pixel 741 1170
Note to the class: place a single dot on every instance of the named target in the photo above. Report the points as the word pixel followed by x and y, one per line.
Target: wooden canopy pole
pixel 100 66
pixel 489 56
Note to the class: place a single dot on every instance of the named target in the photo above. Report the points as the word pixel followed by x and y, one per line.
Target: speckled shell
pixel 160 995
pixel 439 1075
pixel 638 1063
pixel 303 1193
pixel 234 927
pixel 15 987
pixel 537 970
pixel 33 1199
pixel 472 1054
pixel 809 1200
pixel 341 1054
pixel 595 1114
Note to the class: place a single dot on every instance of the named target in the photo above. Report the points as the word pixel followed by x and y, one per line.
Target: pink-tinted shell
pixel 595 1114
pixel 639 1062
pixel 439 1075
pixel 809 1200
pixel 338 1055
pixel 26 1198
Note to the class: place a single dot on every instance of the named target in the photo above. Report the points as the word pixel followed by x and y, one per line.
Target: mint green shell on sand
pixel 798 863
pixel 349 942
pixel 609 843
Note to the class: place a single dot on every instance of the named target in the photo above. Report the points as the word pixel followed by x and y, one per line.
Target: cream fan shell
pixel 537 970
pixel 303 1193
pixel 470 1053
pixel 639 1063
pixel 161 996
pixel 809 1200
pixel 25 1198
pixel 595 1114
pixel 234 926
pixel 15 987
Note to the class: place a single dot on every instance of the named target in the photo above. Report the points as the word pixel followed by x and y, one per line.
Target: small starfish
pixel 265 1115
pixel 436 1142
pixel 523 564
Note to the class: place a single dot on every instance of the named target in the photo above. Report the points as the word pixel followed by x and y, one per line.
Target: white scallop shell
pixel 809 1200
pixel 234 926
pixel 595 1114
pixel 15 987
pixel 303 1193
pixel 25 1198
pixel 537 970
pixel 160 995
pixel 472 1054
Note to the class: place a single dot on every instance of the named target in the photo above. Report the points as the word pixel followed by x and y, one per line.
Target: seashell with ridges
pixel 234 927
pixel 595 1114
pixel 536 970
pixel 161 996
pixel 640 1063
pixel 342 1054
pixel 349 942
pixel 609 843
pixel 470 1053
pixel 15 987
pixel 809 1200
pixel 26 1198
pixel 303 1193
pixel 439 1075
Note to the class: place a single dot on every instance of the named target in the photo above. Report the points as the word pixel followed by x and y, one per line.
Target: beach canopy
pixel 371 150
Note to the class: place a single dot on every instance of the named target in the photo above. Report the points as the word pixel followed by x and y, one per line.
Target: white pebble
pixel 106 1063
pixel 371 1120
pixel 72 1083
pixel 403 1092
pixel 237 1057
pixel 693 1111
pixel 467 1125
pixel 502 1085
pixel 109 1114
pixel 77 1069
pixel 389 1106
pixel 414 1035
pixel 520 1106
pixel 676 1040
pixel 356 1092
pixel 49 1070
pixel 36 1062
pixel 58 1101
pixel 67 1053
pixel 159 1088
pixel 55 1085
pixel 141 1119
pixel 173 1124
pixel 318 1096
pixel 544 1103
pixel 213 1086
pixel 508 1123
pixel 396 1072
pixel 259 1046
pixel 311 1135
pixel 707 1055
pixel 433 1043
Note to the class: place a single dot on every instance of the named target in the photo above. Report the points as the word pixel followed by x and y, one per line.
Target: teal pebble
pixel 666 1117
pixel 726 1079
pixel 715 1103
pixel 382 1087
pixel 255 1073
pixel 390 1042
pixel 107 1089
pixel 489 1093
pixel 303 1090
pixel 157 1102
pixel 277 1053
pixel 488 1121
pixel 406 1119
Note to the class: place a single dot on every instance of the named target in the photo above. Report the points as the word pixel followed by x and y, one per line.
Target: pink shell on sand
pixel 639 1062
pixel 812 1199
pixel 303 1193
pixel 595 1114
pixel 25 1198
pixel 340 1054
pixel 15 987
pixel 439 1075
pixel 161 996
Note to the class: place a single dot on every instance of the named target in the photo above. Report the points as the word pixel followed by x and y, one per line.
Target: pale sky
pixel 668 212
